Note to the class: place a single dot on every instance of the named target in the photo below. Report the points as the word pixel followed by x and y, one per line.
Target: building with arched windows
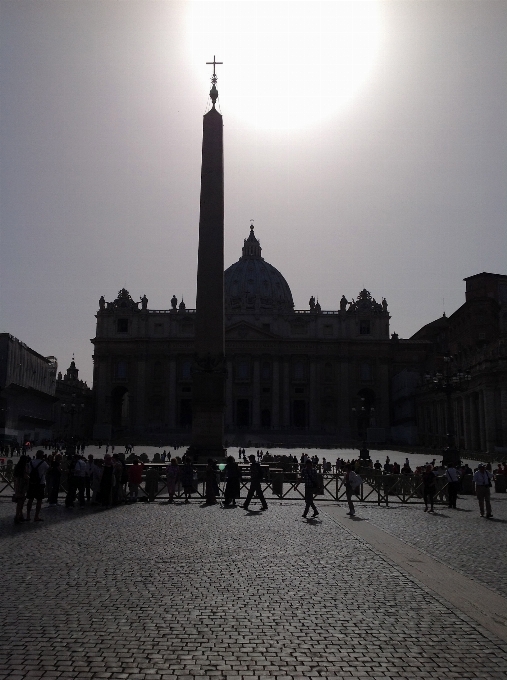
pixel 291 374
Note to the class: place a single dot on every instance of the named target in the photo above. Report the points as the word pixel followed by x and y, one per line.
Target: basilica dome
pixel 251 284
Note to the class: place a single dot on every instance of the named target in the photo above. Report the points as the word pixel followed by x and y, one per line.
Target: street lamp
pixel 364 416
pixel 448 382
pixel 71 410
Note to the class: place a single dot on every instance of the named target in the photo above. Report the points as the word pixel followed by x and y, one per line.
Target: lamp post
pixel 365 417
pixel 449 382
pixel 71 410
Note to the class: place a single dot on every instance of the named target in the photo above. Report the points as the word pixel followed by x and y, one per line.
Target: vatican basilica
pixel 290 374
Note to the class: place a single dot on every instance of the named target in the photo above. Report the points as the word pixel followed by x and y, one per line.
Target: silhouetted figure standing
pixel 232 484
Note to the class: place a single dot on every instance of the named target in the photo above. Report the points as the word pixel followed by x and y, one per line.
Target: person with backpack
pixel 352 484
pixel 21 479
pixel 429 481
pixel 36 485
pixel 187 478
pixel 256 476
pixel 76 481
pixel 309 477
pixel 135 474
pixel 482 481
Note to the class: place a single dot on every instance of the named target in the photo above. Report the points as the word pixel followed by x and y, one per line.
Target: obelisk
pixel 208 371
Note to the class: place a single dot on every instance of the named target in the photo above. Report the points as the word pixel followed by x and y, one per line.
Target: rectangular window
pixel 266 370
pixel 299 413
pixel 364 327
pixel 120 370
pixel 243 370
pixel 299 371
pixel 186 370
pixel 365 372
pixel 122 325
pixel 242 413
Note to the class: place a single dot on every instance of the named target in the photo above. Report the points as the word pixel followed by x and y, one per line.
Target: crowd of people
pixel 109 481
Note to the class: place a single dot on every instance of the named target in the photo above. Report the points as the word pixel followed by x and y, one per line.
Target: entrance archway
pixel 119 408
pixel 365 411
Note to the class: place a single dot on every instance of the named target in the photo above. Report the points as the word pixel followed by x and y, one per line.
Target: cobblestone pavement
pixel 145 592
pixel 460 538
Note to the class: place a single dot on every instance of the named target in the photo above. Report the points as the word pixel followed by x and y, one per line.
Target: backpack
pixel 34 473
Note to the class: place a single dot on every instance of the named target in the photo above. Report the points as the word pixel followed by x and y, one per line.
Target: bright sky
pixel 368 146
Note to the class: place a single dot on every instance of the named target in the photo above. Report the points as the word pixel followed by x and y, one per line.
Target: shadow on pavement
pixel 50 517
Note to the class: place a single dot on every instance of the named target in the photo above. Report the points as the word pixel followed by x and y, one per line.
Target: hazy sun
pixel 286 64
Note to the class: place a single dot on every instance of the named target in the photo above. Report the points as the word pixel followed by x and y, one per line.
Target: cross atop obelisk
pixel 213 93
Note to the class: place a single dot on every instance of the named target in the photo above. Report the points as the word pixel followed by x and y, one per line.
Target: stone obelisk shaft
pixel 208 389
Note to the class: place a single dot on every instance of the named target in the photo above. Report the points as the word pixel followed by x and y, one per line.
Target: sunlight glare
pixel 286 64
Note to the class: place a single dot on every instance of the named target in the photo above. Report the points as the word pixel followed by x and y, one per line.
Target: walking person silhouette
pixel 256 476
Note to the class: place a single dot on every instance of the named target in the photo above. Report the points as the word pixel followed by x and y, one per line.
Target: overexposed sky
pixel 400 188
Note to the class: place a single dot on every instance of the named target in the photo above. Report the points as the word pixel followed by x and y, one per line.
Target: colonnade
pixel 480 419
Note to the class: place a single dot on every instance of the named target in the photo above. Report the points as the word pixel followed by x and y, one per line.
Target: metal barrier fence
pixel 378 488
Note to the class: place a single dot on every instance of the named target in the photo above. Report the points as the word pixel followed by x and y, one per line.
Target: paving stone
pixel 459 538
pixel 148 592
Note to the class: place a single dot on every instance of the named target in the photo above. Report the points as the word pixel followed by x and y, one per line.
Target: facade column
pixel 229 422
pixel 482 424
pixel 467 422
pixel 172 393
pixel 275 412
pixel 384 421
pixel 138 402
pixel 344 414
pixel 489 420
pixel 102 387
pixel 442 405
pixel 286 393
pixel 256 396
pixel 313 406
pixel 503 415
pixel 475 444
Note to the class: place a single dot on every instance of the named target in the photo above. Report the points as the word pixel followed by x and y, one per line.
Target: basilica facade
pixel 291 373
